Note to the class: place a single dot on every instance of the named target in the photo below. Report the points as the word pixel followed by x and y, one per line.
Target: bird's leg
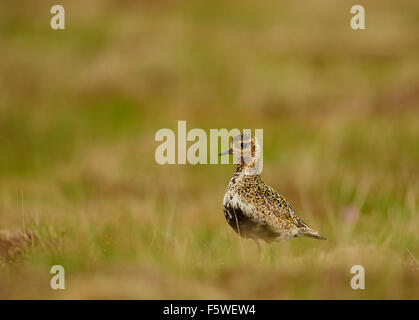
pixel 259 249
pixel 271 251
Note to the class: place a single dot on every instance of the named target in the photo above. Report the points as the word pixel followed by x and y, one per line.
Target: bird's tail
pixel 312 234
pixel 306 231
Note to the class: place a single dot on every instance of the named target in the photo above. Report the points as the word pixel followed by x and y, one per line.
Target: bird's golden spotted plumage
pixel 254 209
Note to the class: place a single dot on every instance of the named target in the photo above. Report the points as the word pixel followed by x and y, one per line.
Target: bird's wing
pixel 286 216
pixel 282 208
pixel 278 202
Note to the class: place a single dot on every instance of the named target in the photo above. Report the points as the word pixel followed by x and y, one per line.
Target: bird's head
pixel 246 151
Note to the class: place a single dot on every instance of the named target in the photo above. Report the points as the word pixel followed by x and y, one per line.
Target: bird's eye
pixel 243 145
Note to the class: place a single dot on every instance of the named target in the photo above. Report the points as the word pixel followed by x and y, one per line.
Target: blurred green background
pixel 79 109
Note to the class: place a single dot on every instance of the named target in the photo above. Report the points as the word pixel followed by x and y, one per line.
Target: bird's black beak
pixel 229 151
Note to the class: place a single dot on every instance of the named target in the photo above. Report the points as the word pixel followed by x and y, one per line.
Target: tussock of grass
pixel 14 245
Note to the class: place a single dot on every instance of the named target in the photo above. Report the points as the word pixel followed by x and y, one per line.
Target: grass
pixel 79 109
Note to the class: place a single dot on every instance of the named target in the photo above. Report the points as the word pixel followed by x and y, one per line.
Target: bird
pixel 254 209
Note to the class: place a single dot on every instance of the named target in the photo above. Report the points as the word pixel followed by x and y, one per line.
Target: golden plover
pixel 252 208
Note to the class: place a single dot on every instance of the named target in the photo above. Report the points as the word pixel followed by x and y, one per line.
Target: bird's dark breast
pixel 246 226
